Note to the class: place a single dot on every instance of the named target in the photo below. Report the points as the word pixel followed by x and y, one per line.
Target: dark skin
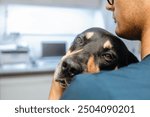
pixel 132 21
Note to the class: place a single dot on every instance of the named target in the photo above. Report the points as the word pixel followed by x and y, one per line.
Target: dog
pixel 92 51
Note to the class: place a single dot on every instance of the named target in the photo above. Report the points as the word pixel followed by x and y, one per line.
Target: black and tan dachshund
pixel 92 51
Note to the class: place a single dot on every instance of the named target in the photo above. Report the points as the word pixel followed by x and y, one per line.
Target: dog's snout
pixel 71 67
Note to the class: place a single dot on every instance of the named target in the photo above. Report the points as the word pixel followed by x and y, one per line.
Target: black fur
pixel 105 58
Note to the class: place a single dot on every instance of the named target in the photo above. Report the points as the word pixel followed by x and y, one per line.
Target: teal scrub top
pixel 127 83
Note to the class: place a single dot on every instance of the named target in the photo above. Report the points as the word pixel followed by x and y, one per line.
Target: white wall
pixel 2 21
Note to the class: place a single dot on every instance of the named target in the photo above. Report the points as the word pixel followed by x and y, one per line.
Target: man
pixel 132 18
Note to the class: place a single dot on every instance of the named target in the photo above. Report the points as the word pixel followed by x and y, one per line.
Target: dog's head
pixel 92 51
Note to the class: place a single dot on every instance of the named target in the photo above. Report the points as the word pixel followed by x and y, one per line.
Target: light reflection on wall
pixel 51 20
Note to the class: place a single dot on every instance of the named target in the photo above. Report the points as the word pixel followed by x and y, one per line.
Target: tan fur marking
pixel 56 91
pixel 89 35
pixel 107 44
pixel 91 67
pixel 70 53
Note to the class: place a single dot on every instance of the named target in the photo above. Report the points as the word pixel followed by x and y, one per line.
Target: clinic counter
pixel 22 69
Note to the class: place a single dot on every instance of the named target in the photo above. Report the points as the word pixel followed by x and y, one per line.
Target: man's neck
pixel 145 43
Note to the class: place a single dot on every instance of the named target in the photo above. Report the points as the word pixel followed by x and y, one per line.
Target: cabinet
pixel 25 87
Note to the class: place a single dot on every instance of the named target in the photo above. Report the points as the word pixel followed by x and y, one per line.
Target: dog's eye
pixel 79 40
pixel 108 57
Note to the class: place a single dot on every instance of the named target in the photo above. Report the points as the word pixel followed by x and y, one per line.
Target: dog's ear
pixel 132 58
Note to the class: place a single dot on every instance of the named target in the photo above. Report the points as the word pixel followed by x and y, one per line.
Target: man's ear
pixel 132 58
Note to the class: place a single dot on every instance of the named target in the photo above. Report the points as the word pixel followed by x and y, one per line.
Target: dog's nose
pixel 71 67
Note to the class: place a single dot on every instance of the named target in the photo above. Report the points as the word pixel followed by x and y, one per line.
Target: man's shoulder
pixel 131 82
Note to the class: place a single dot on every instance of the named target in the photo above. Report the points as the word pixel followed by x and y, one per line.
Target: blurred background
pixel 35 34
